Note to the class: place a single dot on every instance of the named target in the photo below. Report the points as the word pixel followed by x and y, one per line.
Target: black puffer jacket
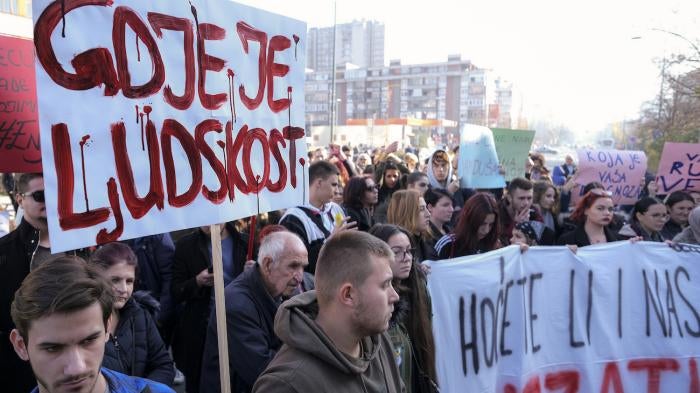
pixel 136 347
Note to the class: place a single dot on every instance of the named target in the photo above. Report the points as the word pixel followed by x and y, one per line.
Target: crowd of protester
pixel 161 320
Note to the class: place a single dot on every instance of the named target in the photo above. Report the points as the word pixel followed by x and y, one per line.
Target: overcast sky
pixel 575 62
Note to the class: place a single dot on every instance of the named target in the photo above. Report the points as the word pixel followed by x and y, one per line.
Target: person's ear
pixel 267 265
pixel 18 198
pixel 347 295
pixel 19 345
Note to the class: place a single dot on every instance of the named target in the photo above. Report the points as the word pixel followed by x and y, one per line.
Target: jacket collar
pixel 28 236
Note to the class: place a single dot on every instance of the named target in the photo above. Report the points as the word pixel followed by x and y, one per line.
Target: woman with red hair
pixel 477 229
pixel 593 214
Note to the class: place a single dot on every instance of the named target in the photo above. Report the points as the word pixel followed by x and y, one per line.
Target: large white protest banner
pixel 163 115
pixel 617 317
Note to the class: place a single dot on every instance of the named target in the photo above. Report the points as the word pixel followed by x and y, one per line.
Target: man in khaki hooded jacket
pixel 334 337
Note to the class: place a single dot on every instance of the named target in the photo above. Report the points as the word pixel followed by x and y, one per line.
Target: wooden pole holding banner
pixel 219 302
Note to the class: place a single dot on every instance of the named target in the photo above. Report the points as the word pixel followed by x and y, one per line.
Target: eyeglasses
pixel 372 188
pixel 402 253
pixel 38 195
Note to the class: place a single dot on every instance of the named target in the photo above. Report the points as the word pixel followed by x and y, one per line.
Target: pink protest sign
pixel 19 130
pixel 620 171
pixel 679 168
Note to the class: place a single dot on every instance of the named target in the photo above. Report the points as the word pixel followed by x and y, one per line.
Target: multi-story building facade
pixel 455 90
pixel 359 42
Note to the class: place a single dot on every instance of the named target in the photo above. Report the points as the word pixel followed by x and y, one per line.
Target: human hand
pixel 635 239
pixel 453 186
pixel 344 225
pixel 205 279
pixel 572 247
pixel 524 247
pixel 522 216
pixel 424 267
pixel 570 183
pixel 392 147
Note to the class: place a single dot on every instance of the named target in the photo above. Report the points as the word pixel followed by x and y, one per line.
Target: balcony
pixel 16 7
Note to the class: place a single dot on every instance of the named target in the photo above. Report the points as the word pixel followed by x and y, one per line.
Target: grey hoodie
pixel 310 362
pixel 434 183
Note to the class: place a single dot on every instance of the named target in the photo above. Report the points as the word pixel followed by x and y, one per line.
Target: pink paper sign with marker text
pixel 620 171
pixel 679 168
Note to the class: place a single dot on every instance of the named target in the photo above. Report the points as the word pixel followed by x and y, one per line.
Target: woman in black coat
pixel 592 216
pixel 360 197
pixel 135 346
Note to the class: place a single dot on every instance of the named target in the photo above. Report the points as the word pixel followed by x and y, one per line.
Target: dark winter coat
pixel 136 348
pixel 252 343
pixel 363 217
pixel 191 257
pixel 579 237
pixel 670 230
pixel 156 258
pixel 16 251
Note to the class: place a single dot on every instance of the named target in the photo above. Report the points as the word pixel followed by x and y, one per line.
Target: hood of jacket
pixel 295 325
pixel 434 183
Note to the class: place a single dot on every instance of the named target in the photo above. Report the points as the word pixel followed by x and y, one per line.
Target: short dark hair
pixel 414 177
pixel 67 284
pixel 111 254
pixel 519 182
pixel 643 205
pixel 345 257
pixel 321 170
pixel 678 196
pixel 433 195
pixel 22 181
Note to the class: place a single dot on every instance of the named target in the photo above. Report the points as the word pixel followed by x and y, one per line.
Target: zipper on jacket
pixel 117 349
pixel 38 240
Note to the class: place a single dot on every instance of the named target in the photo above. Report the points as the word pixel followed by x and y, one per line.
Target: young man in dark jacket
pixel 19 250
pixel 61 312
pixel 335 337
pixel 251 303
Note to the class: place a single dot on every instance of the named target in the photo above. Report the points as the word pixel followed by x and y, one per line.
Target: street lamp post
pixel 332 98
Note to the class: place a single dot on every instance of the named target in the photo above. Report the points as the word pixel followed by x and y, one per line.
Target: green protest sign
pixel 512 147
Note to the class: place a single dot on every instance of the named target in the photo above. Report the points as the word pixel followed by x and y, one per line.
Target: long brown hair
pixel 418 323
pixel 466 238
pixel 539 189
pixel 404 209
